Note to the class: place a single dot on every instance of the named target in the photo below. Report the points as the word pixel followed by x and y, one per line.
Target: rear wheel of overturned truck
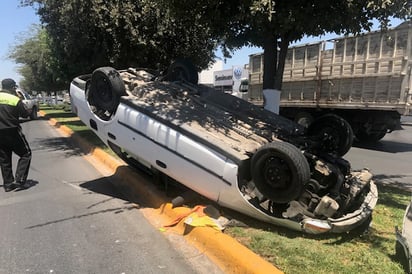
pixel 182 70
pixel 332 134
pixel 104 91
pixel 280 171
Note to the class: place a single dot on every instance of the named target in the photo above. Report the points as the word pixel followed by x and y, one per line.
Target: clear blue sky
pixel 16 21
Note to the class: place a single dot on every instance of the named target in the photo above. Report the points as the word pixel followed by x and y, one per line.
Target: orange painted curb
pixel 223 250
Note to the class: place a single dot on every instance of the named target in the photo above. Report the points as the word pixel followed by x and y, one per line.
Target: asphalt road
pixel 390 159
pixel 74 221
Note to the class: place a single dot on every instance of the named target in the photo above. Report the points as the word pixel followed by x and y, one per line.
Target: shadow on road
pixel 102 186
pixel 385 146
pixel 56 144
pixel 88 214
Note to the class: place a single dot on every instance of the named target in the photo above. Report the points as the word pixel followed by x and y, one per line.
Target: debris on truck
pixel 230 151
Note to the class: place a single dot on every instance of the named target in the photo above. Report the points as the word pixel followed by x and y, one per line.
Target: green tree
pixel 85 35
pixel 150 33
pixel 39 67
pixel 282 22
pixel 273 25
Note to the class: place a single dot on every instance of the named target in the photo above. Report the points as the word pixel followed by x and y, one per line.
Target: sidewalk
pixel 224 251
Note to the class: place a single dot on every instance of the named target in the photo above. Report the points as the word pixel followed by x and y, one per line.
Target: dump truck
pixel 365 79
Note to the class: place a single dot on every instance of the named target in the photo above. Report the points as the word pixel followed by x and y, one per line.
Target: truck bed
pixel 370 71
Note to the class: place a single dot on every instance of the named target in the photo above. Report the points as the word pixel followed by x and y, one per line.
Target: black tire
pixel 304 119
pixel 106 88
pixel 183 70
pixel 33 114
pixel 280 171
pixel 332 133
pixel 365 137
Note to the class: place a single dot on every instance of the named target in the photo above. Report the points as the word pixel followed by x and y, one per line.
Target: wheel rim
pixel 332 134
pixel 330 138
pixel 279 171
pixel 105 91
pixel 276 172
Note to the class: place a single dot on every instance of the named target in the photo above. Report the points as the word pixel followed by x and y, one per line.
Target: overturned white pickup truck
pixel 232 152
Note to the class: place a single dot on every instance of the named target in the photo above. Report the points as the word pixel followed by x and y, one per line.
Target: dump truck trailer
pixel 365 79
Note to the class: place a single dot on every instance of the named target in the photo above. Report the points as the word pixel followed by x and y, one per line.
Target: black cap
pixel 8 83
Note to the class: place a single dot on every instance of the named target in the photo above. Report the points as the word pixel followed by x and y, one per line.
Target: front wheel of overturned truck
pixel 280 171
pixel 104 91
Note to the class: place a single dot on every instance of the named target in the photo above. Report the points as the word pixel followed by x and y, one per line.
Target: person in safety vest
pixel 12 138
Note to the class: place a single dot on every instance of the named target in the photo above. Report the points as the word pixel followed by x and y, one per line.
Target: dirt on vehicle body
pixel 230 151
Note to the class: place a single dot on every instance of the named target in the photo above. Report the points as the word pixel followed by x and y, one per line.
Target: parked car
pixel 233 152
pixel 31 103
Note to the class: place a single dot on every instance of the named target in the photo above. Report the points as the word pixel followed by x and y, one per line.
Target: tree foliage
pixel 39 66
pixel 85 35
pixel 273 25
pixel 151 33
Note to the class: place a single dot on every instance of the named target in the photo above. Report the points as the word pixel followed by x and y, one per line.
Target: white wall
pixel 206 76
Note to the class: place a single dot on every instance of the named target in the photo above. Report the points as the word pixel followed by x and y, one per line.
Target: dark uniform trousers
pixel 13 140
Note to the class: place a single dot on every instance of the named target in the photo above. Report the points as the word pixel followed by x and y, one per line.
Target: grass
pixel 63 115
pixel 354 252
pixel 296 252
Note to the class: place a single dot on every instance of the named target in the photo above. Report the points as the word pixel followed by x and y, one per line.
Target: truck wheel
pixel 279 171
pixel 373 137
pixel 182 70
pixel 304 119
pixel 332 133
pixel 33 114
pixel 106 87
